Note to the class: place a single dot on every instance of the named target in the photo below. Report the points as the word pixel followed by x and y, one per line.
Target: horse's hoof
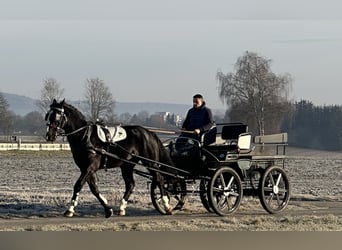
pixel 68 214
pixel 122 212
pixel 179 206
pixel 168 211
pixel 109 213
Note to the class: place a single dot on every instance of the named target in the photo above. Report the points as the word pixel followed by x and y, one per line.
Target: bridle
pixel 60 121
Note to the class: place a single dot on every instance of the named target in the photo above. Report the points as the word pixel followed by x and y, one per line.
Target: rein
pixel 140 158
pixel 75 131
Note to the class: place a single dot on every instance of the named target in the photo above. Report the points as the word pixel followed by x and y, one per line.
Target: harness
pixel 108 135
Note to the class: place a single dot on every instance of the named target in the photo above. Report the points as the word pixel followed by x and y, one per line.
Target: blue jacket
pixel 198 118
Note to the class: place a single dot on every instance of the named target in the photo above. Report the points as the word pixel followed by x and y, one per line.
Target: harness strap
pixel 75 131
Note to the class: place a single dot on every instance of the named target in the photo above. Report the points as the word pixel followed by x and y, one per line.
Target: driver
pixel 198 120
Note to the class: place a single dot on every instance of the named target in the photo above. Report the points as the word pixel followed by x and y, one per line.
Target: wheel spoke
pixel 282 191
pixel 275 190
pixel 222 181
pixel 235 194
pixel 270 198
pixel 275 198
pixel 222 202
pixel 230 183
pixel 268 189
pixel 175 199
pixel 225 191
pixel 217 190
pixel 278 180
pixel 278 200
pixel 271 178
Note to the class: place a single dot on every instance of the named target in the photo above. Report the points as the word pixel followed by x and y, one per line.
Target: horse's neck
pixel 75 133
pixel 75 122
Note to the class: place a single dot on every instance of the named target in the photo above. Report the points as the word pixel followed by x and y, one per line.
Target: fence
pixel 34 146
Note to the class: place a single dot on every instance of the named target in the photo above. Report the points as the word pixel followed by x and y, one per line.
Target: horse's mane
pixel 74 110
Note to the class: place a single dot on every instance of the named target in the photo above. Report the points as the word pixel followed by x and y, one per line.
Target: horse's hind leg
pixel 127 174
pixel 95 190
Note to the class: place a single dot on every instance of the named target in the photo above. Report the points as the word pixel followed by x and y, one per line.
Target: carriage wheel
pixel 176 199
pixel 225 191
pixel 274 189
pixel 204 195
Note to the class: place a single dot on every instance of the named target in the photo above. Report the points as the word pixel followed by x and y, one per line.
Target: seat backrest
pixel 244 141
pixel 232 131
pixel 209 137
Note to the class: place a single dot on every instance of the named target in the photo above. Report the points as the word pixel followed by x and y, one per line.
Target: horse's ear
pixel 62 102
pixel 54 101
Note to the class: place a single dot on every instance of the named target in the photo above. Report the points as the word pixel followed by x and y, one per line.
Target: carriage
pixel 227 163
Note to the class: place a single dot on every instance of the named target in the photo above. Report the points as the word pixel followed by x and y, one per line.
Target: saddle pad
pixel 111 134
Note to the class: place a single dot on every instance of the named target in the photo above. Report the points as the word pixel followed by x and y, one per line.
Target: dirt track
pixel 37 187
pixel 295 209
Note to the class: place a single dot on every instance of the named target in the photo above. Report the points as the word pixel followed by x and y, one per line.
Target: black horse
pixel 89 153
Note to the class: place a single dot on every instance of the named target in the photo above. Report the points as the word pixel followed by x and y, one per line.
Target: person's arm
pixel 208 121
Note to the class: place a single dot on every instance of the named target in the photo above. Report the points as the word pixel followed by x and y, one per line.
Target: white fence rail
pixel 34 146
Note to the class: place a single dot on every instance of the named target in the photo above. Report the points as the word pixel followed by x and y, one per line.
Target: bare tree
pixel 51 90
pixel 3 106
pixel 253 90
pixel 34 123
pixel 99 100
pixel 125 118
pixel 6 116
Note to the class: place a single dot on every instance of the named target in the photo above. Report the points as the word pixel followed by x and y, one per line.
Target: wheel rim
pixel 176 201
pixel 225 191
pixel 274 190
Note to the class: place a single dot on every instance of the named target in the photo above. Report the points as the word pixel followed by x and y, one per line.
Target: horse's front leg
pixel 74 200
pixel 127 174
pixel 92 182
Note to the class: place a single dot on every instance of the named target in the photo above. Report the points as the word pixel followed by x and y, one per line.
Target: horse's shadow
pixel 31 210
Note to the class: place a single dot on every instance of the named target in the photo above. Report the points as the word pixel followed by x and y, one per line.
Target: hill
pixel 21 105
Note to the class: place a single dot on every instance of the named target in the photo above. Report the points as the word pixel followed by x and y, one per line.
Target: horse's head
pixel 55 120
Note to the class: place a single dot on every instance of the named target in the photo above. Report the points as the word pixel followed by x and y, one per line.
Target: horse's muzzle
pixel 51 133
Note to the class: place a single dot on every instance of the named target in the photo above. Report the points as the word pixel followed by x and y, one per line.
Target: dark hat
pixel 198 96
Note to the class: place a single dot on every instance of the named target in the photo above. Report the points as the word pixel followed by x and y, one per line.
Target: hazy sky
pixel 166 51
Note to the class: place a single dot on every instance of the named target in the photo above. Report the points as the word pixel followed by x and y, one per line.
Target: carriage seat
pixel 209 136
pixel 231 132
pixel 230 135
